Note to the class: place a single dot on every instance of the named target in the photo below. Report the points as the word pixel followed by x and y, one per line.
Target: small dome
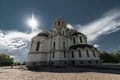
pixel 43 34
pixel 76 33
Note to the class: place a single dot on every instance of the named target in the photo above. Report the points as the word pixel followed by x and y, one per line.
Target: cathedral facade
pixel 61 46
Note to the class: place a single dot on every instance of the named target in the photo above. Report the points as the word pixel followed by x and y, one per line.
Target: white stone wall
pixel 37 57
pixel 44 44
pixel 59 55
pixel 84 39
pixel 70 42
pixel 61 40
pixel 77 39
pixel 83 55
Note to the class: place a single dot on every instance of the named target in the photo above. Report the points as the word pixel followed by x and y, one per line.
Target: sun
pixel 33 23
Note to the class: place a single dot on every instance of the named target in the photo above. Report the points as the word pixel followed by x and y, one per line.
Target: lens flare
pixel 32 23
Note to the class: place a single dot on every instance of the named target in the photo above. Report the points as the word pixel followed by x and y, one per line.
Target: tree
pixel 104 57
pixel 113 58
pixel 118 55
pixel 108 57
pixel 5 60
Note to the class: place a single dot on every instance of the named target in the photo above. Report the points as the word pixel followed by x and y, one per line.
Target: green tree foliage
pixel 108 57
pixel 17 63
pixel 5 60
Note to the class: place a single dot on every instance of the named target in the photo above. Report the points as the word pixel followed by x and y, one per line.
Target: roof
pixel 81 46
pixel 43 34
pixel 58 19
pixel 76 33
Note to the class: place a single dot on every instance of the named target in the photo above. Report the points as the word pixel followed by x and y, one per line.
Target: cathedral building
pixel 61 46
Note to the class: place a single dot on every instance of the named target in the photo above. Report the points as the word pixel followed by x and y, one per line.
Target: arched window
pixel 79 53
pixel 87 53
pixel 63 44
pixel 58 22
pixel 53 54
pixel 93 53
pixel 53 45
pixel 74 40
pixel 63 32
pixel 38 45
pixel 72 54
pixel 64 54
pixel 80 39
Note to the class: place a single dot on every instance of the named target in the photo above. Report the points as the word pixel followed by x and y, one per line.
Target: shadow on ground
pixel 112 69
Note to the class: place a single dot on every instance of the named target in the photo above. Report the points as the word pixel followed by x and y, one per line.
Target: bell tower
pixel 58 24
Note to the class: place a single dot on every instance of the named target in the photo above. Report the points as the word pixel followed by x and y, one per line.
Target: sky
pixel 98 19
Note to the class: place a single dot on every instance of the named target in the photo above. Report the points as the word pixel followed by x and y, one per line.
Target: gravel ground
pixel 18 73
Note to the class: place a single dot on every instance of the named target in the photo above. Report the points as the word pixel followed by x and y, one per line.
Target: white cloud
pixel 16 43
pixel 96 45
pixel 13 40
pixel 69 26
pixel 12 56
pixel 107 24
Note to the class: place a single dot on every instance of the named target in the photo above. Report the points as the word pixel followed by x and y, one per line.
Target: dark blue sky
pixel 14 13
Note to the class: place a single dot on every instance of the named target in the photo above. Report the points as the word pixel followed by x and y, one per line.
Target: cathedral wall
pixel 54 47
pixel 37 57
pixel 70 42
pixel 83 39
pixel 63 42
pixel 55 43
pixel 44 44
pixel 79 39
pixel 63 56
pixel 33 46
pixel 58 55
pixel 49 45
pixel 83 55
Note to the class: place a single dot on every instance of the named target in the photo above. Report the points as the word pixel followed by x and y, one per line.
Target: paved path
pixel 19 73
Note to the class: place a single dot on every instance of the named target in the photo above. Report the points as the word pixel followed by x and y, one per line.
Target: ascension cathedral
pixel 61 46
